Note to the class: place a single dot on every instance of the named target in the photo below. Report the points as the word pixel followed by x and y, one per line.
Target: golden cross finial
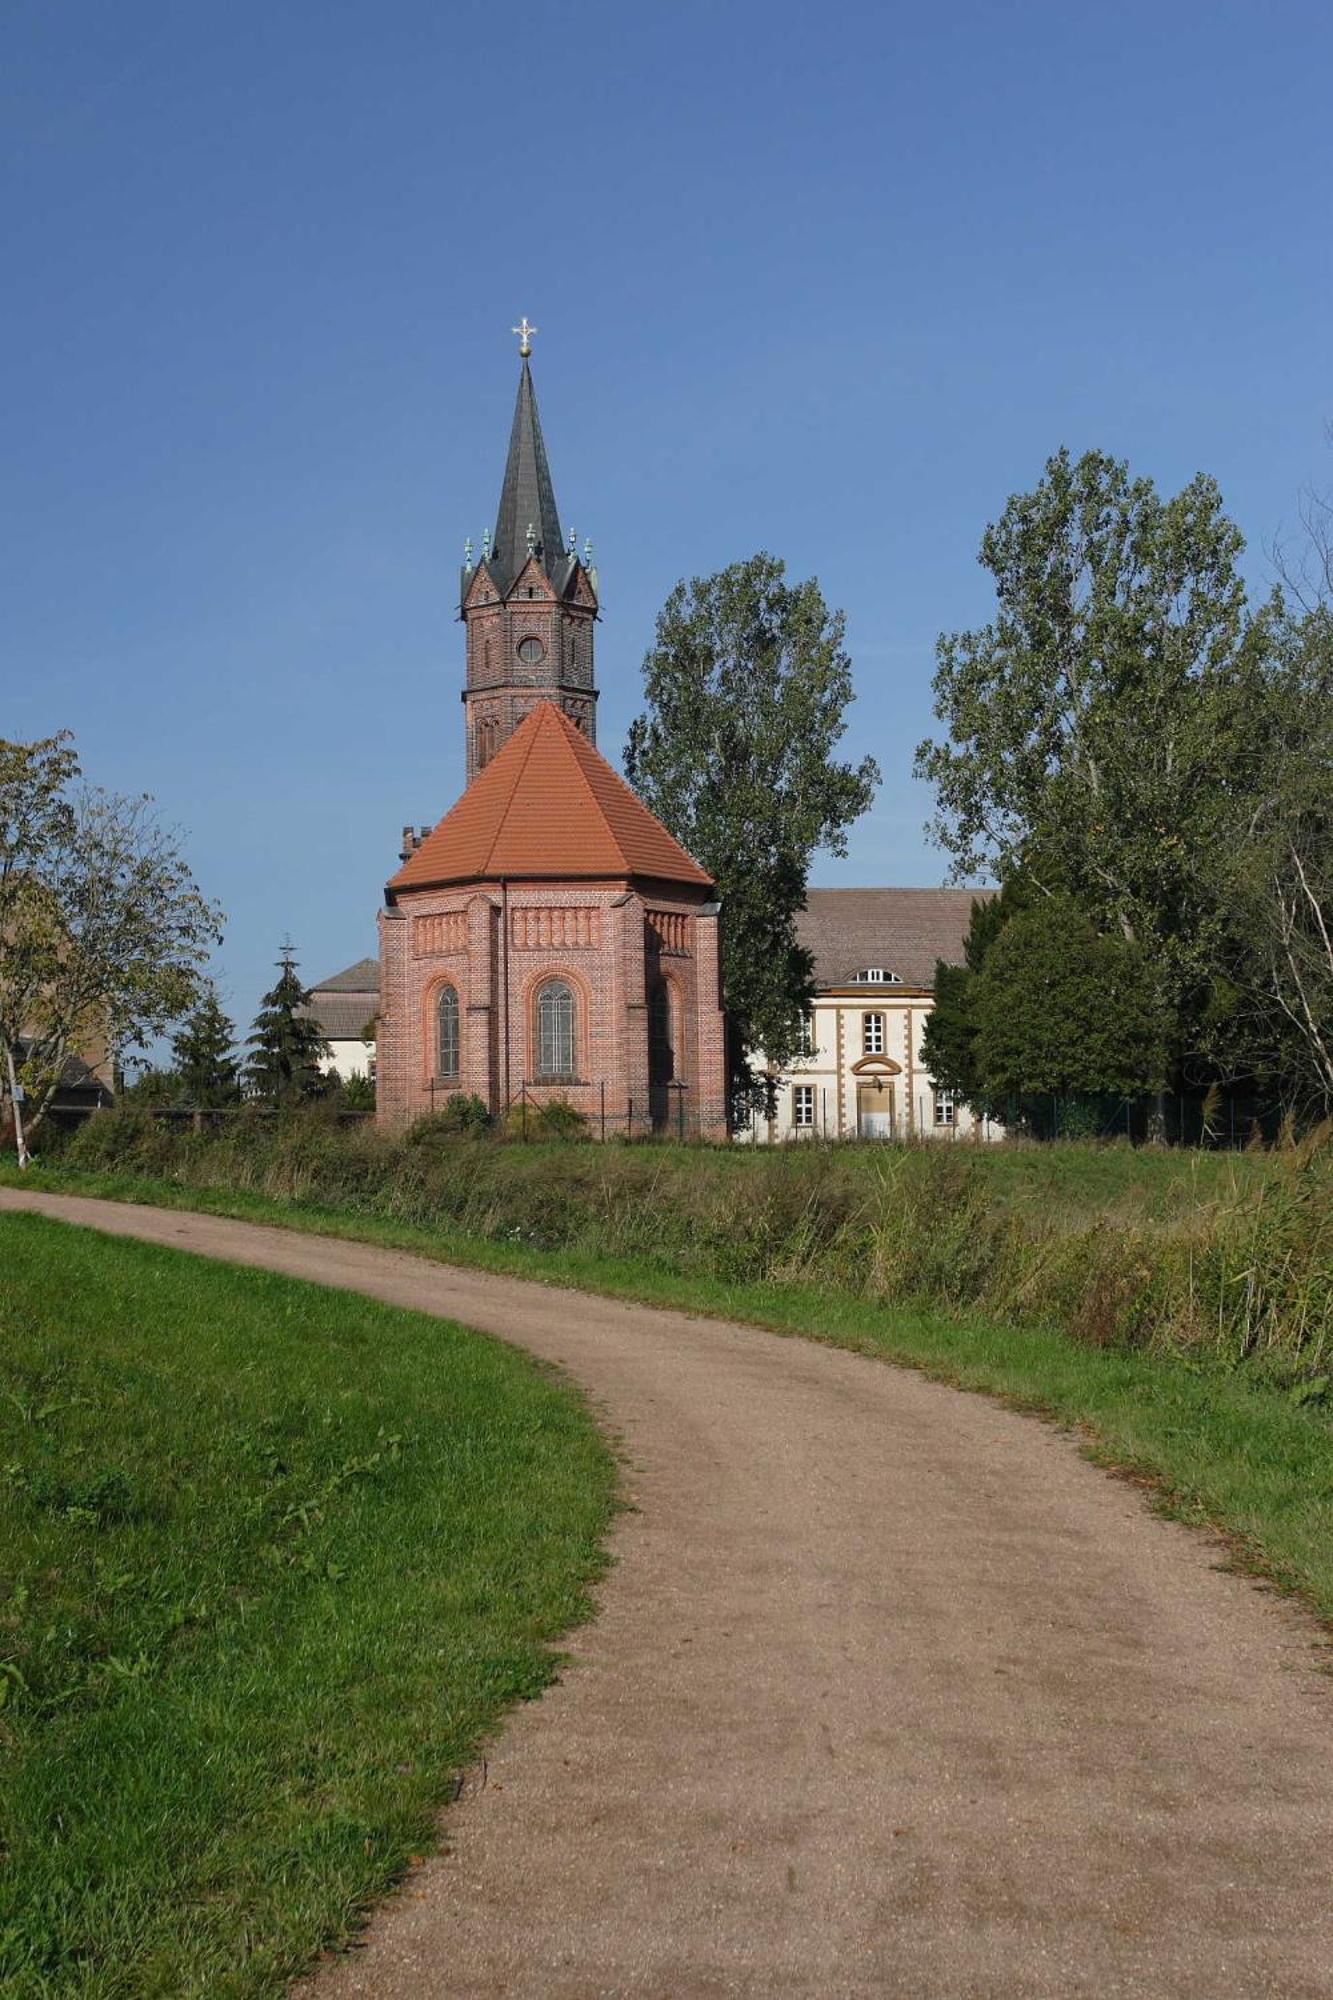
pixel 525 333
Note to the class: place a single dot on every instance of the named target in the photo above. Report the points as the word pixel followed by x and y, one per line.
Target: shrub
pixel 460 1115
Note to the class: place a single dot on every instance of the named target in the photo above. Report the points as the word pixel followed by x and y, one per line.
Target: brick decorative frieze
pixel 436 936
pixel 671 930
pixel 560 929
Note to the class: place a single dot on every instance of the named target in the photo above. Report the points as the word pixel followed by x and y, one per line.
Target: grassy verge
pixel 1221 1446
pixel 273 1559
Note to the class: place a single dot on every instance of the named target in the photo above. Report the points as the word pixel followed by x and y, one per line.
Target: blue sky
pixel 828 281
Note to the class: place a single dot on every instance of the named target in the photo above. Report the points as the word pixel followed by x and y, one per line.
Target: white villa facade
pixel 864 1075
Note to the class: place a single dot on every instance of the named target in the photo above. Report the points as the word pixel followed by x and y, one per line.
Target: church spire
pixel 528 521
pixel 530 604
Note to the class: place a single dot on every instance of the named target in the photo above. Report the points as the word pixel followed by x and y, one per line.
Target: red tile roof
pixel 547 805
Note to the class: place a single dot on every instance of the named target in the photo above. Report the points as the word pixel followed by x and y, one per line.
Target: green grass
pixel 1223 1444
pixel 273 1560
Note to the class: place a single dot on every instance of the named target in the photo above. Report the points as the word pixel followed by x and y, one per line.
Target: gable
pixel 532 581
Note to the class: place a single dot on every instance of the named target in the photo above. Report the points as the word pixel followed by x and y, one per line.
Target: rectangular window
pixel 803 1106
pixel 805 1036
pixel 946 1108
pixel 872 1034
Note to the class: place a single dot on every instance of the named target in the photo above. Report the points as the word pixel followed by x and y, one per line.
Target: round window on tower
pixel 530 651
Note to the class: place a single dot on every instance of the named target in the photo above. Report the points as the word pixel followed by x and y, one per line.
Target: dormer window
pixel 876 975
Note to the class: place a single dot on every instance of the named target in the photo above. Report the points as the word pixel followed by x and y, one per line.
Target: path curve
pixel 891 1694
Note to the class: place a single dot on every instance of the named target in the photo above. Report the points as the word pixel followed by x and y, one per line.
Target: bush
pixel 459 1116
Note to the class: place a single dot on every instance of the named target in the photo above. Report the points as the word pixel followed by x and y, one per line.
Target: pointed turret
pixel 528 522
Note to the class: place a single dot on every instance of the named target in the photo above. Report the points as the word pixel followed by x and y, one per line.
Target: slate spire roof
pixel 547 806
pixel 527 498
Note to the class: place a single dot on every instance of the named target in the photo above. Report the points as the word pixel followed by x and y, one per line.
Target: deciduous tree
pixel 1099 729
pixel 747 685
pixel 102 928
pixel 1061 1009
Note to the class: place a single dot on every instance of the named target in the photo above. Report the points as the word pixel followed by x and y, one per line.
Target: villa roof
pixel 547 806
pixel 901 931
pixel 363 977
pixel 346 1001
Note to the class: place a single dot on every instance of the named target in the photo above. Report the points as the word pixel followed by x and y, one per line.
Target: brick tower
pixel 529 605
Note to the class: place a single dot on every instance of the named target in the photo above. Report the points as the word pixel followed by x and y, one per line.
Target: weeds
pixel 1233 1255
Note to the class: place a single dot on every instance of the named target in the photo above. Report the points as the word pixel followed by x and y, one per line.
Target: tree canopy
pixel 746 687
pixel 1100 728
pixel 1059 1008
pixel 104 931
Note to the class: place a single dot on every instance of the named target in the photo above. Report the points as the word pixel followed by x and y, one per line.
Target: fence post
pixel 680 1111
pixel 603 1110
pixel 523 1110
pixel 629 1117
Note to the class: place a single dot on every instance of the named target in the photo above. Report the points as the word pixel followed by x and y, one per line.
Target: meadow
pixel 273 1562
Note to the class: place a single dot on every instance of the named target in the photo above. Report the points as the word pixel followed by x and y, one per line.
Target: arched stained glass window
pixel 556 1037
pixel 446 1032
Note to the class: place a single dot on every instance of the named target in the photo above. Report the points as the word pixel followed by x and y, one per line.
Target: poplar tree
pixel 747 684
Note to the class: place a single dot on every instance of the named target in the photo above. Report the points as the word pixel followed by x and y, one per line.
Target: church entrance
pixel 874 1109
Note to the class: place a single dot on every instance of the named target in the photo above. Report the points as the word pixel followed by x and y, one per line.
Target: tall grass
pixel 1229 1256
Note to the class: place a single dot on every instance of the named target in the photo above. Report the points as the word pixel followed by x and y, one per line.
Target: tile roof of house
pixel 342 1017
pixel 346 1001
pixel 363 977
pixel 547 806
pixel 904 931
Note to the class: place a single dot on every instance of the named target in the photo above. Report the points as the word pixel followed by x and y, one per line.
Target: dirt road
pixel 891 1694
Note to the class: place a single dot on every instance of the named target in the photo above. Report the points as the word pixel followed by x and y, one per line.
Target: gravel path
pixel 891 1694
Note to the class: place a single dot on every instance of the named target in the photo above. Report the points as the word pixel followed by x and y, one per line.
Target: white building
pixel 864 1075
pixel 345 1007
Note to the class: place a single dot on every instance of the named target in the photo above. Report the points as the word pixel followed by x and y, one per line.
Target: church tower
pixel 529 605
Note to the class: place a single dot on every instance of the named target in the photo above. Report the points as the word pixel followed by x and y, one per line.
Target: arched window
pixel 661 1051
pixel 556 1037
pixel 446 1032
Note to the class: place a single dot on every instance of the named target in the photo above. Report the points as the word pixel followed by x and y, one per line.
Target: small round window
pixel 529 651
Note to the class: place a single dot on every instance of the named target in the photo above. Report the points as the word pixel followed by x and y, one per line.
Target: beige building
pixel 863 1075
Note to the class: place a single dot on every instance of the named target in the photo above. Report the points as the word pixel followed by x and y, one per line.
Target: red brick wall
pixel 501 688
pixel 602 939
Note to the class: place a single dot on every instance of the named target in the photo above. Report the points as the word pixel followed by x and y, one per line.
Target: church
pixel 548 940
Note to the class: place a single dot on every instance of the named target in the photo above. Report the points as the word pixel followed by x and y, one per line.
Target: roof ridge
pixel 577 739
pixel 519 769
pixel 581 743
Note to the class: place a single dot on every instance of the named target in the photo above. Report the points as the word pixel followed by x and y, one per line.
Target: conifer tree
pixel 287 1044
pixel 206 1065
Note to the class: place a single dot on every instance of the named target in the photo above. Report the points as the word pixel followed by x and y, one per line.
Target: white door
pixel 874 1110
